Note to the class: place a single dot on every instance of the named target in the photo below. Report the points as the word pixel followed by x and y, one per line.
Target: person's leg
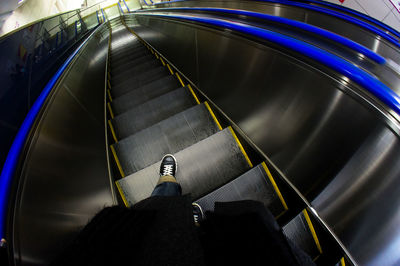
pixel 167 184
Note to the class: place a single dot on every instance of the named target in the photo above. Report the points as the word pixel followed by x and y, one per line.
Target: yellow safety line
pixel 109 76
pixel 342 262
pixel 194 94
pixel 109 109
pixel 109 85
pixel 213 115
pixel 157 56
pixel 240 146
pixel 279 215
pixel 162 61
pixel 180 80
pixel 122 194
pixel 271 179
pixel 313 233
pixel 170 70
pixel 117 161
pixel 112 131
pixel 109 95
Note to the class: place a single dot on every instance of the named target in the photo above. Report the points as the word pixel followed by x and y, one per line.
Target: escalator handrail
pixel 332 13
pixel 17 146
pixel 350 71
pixel 356 13
pixel 293 23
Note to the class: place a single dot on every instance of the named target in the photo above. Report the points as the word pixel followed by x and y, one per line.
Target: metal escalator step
pixel 152 112
pixel 117 48
pixel 131 83
pixel 134 69
pixel 117 63
pixel 168 136
pixel 252 185
pixel 115 70
pixel 130 51
pixel 202 168
pixel 300 231
pixel 143 94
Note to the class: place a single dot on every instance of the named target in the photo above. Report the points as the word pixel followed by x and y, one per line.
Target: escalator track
pixel 153 111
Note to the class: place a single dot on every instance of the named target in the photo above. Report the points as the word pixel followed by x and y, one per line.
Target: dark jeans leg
pixel 167 189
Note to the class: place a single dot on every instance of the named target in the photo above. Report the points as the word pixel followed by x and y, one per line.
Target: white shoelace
pixel 168 170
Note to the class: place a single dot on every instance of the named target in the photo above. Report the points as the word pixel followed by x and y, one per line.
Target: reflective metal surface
pixel 336 143
pixel 333 24
pixel 64 179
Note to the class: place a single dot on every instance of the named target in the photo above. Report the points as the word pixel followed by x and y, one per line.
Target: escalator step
pixel 152 112
pixel 134 69
pixel 129 51
pixel 145 58
pixel 252 185
pixel 202 167
pixel 301 231
pixel 169 136
pixel 135 82
pixel 143 94
pixel 118 62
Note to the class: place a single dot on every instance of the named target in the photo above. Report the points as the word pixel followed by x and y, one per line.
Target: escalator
pixel 153 112
pixel 246 118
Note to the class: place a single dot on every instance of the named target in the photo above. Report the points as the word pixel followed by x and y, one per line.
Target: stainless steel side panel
pixel 349 30
pixel 338 149
pixel 64 181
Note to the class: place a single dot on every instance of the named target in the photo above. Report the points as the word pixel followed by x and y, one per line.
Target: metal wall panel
pixel 64 180
pixel 322 131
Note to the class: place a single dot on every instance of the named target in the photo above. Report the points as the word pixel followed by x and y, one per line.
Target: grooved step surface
pixel 133 69
pixel 202 168
pixel 134 82
pixel 152 112
pixel 143 94
pixel 169 136
pixel 129 53
pixel 117 65
pixel 298 231
pixel 252 185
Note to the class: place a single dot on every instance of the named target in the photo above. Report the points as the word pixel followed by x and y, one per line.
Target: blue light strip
pixel 14 153
pixel 120 7
pixel 293 23
pixel 332 13
pixel 364 79
pixel 104 17
pixel 359 14
pixel 127 8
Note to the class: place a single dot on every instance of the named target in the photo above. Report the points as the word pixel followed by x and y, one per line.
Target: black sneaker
pixel 198 214
pixel 168 165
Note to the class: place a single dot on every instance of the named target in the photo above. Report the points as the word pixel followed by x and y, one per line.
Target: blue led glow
pixel 293 23
pixel 14 153
pixel 359 76
pixel 333 13
pixel 361 15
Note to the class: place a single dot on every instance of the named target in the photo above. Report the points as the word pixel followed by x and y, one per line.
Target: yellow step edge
pixel 179 78
pixel 112 131
pixel 241 147
pixel 194 94
pixel 279 215
pixel 109 95
pixel 117 161
pixel 342 262
pixel 271 179
pixel 213 115
pixel 162 61
pixel 157 56
pixel 122 194
pixel 313 233
pixel 109 85
pixel 170 70
pixel 110 110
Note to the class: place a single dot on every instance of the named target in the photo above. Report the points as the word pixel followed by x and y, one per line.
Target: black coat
pixel 161 231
